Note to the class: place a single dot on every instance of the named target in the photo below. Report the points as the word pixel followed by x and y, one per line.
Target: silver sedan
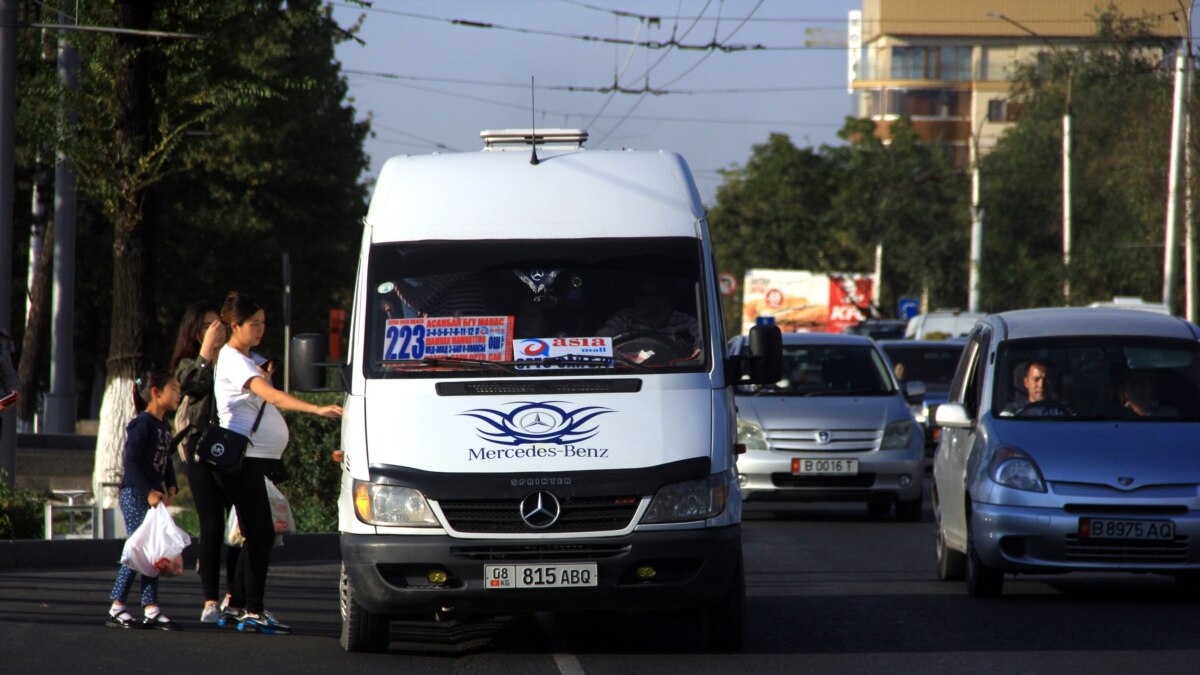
pixel 837 427
pixel 1069 443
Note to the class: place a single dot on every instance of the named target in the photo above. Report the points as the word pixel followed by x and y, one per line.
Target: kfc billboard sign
pixel 806 301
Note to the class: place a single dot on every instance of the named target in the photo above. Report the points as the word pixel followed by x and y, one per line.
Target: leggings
pixel 248 491
pixel 212 506
pixel 134 508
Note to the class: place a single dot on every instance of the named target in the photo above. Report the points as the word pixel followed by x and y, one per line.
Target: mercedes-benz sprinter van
pixel 539 416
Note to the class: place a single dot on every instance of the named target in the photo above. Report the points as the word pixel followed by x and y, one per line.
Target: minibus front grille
pixel 538 387
pixel 503 516
pixel 540 552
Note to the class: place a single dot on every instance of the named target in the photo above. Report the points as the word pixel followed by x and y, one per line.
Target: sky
pixel 429 84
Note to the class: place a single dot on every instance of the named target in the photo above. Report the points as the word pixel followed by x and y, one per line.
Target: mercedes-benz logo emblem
pixel 540 509
pixel 217 450
pixel 534 421
pixel 822 437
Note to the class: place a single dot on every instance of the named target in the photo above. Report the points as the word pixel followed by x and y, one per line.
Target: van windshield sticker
pixel 564 352
pixel 485 338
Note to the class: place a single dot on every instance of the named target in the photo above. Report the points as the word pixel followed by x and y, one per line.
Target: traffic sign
pixel 907 308
pixel 728 282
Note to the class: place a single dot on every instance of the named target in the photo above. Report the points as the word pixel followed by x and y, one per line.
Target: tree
pixel 216 149
pixel 1120 108
pixel 825 210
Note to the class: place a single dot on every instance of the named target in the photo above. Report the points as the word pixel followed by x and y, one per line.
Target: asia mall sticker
pixel 484 338
pixel 574 352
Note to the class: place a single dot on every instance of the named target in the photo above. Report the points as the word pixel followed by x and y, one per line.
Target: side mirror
pixel 952 415
pixel 765 365
pixel 308 363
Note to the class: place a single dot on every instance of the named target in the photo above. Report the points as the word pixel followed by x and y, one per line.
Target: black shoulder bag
pixel 224 449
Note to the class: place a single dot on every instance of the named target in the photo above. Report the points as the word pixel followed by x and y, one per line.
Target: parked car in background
pixel 1069 444
pixel 940 324
pixel 929 361
pixel 837 427
pixel 1125 302
pixel 878 329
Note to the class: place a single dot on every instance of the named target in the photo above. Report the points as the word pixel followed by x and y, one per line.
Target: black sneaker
pixel 264 623
pixel 118 622
pixel 160 622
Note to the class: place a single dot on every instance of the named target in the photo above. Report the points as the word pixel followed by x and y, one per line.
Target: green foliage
pixel 21 512
pixel 824 210
pixel 312 490
pixel 1120 121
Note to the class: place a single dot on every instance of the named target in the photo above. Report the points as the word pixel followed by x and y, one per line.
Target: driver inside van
pixel 653 316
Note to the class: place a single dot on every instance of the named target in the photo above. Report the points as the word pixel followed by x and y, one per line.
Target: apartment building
pixel 948 64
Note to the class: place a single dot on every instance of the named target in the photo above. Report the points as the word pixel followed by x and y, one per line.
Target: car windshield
pixel 1100 378
pixel 932 365
pixel 546 307
pixel 828 370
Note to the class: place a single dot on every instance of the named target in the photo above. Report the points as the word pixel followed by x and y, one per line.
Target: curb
pixel 41 553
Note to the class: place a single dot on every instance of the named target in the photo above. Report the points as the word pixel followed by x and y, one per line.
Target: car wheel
pixel 982 581
pixel 951 564
pixel 362 631
pixel 910 512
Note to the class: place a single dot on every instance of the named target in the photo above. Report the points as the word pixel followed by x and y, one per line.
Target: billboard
pixel 806 301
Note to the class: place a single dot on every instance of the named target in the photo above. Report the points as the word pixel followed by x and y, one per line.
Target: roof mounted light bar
pixel 521 139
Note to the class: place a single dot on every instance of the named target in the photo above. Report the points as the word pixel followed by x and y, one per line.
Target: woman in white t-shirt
pixel 240 388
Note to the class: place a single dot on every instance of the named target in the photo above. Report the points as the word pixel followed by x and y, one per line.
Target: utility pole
pixel 61 409
pixel 1171 239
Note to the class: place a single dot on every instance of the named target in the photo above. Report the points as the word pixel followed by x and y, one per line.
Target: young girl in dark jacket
pixel 149 478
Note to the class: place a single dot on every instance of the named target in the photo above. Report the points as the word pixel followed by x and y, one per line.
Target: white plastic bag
pixel 233 533
pixel 156 547
pixel 281 510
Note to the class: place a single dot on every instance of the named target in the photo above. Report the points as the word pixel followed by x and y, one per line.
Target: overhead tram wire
pixel 605 89
pixel 716 26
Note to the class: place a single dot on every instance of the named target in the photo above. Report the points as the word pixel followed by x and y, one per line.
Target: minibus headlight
pixel 391 505
pixel 690 500
pixel 751 435
pixel 898 435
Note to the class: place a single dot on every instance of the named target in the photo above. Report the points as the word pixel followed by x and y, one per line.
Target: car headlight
pixel 689 500
pixel 1015 469
pixel 391 505
pixel 751 435
pixel 898 435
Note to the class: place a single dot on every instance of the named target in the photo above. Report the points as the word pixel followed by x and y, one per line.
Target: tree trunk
pixel 131 299
pixel 37 330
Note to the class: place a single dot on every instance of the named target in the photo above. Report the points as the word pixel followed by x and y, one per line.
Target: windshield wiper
pixel 845 392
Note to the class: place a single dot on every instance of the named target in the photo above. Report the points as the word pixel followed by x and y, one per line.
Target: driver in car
pixel 653 317
pixel 1038 397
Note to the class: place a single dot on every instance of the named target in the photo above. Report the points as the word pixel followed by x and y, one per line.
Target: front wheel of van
pixel 723 621
pixel 362 631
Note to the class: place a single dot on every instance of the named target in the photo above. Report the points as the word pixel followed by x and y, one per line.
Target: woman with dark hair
pixel 201 335
pixel 243 390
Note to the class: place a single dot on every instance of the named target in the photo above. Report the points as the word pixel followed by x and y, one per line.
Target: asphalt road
pixel 830 590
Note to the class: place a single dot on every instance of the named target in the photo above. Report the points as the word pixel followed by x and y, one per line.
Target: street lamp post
pixel 1066 153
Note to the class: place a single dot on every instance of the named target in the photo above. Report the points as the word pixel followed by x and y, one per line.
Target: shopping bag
pixel 233 533
pixel 281 510
pixel 156 547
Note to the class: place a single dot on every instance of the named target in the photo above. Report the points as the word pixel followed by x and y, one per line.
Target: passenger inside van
pixel 653 317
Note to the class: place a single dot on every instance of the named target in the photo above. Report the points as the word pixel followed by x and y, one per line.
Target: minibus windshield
pixel 535 307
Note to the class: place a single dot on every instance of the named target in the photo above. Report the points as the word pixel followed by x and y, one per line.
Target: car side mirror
pixel 952 416
pixel 765 362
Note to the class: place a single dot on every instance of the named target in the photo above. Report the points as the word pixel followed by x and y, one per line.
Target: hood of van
pixel 411 424
pixel 825 412
pixel 1125 456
